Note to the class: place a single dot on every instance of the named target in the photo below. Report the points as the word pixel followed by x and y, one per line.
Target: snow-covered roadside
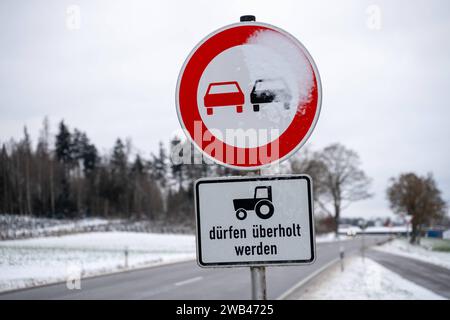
pixel 362 280
pixel 30 262
pixel 403 248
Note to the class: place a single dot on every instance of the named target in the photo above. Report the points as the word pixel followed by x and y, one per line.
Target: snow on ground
pixel 349 230
pixel 353 230
pixel 14 227
pixel 365 279
pixel 330 237
pixel 391 229
pixel 403 248
pixel 25 263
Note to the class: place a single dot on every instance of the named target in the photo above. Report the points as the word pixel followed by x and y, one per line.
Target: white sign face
pixel 244 221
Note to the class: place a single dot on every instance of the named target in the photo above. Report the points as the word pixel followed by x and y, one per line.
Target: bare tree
pixel 416 196
pixel 309 162
pixel 340 180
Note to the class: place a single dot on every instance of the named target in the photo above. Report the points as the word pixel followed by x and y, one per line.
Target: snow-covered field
pixel 403 248
pixel 30 262
pixel 14 227
pixel 18 227
pixel 364 279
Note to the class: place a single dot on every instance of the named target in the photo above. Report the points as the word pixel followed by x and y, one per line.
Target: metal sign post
pixel 259 287
pixel 258 274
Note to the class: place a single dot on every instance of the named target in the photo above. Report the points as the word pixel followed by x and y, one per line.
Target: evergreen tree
pixel 159 166
pixel 63 145
pixel 119 188
pixel 90 158
pixel 26 151
pixel 5 185
pixel 119 158
pixel 83 152
pixel 177 169
pixel 63 152
pixel 137 167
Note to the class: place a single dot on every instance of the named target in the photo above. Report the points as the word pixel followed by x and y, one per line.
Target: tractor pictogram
pixel 261 203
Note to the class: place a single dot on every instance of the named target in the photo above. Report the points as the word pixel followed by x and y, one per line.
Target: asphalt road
pixel 188 281
pixel 430 276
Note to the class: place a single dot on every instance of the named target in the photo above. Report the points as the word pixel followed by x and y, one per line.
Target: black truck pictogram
pixel 261 203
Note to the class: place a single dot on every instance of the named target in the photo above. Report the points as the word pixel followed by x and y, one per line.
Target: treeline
pixel 70 178
pixel 65 176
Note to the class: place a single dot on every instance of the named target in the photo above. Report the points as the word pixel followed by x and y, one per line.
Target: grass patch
pixel 442 245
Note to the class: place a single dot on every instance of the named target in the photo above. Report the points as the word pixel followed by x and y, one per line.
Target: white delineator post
pixel 341 256
pixel 126 257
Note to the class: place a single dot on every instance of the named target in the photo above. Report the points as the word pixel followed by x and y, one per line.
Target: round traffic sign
pixel 248 95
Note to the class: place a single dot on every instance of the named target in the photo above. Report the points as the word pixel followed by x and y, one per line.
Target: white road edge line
pixel 305 280
pixel 182 283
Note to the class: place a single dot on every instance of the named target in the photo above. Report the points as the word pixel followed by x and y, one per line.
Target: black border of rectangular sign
pixel 255 263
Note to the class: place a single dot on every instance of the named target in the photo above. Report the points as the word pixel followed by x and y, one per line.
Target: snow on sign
pixel 248 95
pixel 254 220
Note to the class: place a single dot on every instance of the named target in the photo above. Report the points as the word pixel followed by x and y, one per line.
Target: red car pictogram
pixel 221 94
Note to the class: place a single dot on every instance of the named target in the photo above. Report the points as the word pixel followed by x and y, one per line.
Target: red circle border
pixel 189 114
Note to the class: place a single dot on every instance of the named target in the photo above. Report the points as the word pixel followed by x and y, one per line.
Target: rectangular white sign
pixel 243 221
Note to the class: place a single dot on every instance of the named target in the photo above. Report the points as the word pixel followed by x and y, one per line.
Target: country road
pixel 430 276
pixel 188 281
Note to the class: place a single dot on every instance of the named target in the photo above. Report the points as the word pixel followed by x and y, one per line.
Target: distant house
pixel 446 234
pixel 437 232
pixel 433 233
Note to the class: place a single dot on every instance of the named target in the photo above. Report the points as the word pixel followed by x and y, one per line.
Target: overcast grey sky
pixel 385 81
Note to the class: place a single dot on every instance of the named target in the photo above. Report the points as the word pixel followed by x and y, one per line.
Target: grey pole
pixel 258 274
pixel 363 243
pixel 259 289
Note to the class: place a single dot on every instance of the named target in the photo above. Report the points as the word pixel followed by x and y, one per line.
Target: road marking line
pixel 303 281
pixel 182 283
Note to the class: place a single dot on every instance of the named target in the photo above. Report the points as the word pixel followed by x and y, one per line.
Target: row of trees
pixel 69 178
pixel 65 176
pixel 339 181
